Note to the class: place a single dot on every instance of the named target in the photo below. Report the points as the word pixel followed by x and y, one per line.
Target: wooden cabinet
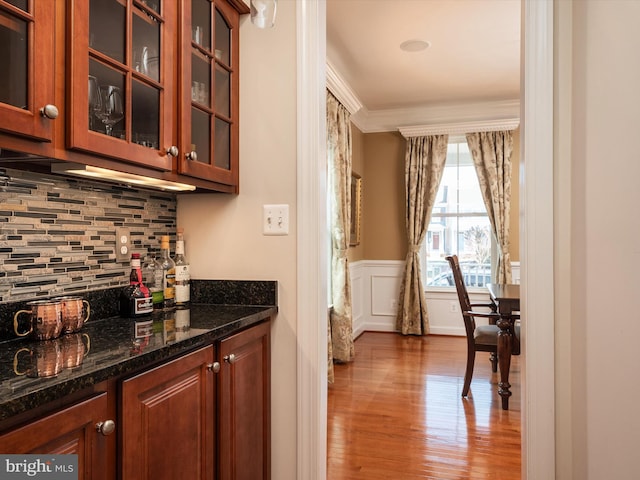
pixel 203 415
pixel 210 83
pixel 176 425
pixel 26 84
pixel 148 87
pixel 72 430
pixel 122 81
pixel 244 405
pixel 168 420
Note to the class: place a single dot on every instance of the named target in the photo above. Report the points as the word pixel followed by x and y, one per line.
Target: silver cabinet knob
pixel 49 111
pixel 214 367
pixel 106 428
pixel 173 151
pixel 230 358
pixel 192 155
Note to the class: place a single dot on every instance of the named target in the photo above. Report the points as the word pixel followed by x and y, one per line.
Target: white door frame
pixel 536 237
pixel 537 241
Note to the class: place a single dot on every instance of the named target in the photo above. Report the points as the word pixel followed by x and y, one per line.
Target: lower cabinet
pixel 83 429
pixel 204 415
pixel 244 392
pixel 168 420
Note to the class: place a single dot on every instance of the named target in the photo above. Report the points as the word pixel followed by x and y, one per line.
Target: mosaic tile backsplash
pixel 57 235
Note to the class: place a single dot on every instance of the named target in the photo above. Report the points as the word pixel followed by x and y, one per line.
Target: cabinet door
pixel 69 431
pixel 168 421
pixel 210 82
pixel 244 399
pixel 26 53
pixel 122 79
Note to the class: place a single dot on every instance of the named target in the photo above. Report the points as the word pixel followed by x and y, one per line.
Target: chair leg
pixel 494 362
pixel 471 358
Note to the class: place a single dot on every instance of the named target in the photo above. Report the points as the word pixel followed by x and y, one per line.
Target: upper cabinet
pixel 27 105
pixel 148 87
pixel 210 83
pixel 122 80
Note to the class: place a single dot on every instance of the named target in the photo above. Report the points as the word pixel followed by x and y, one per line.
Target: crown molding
pixel 433 119
pixel 342 90
pixel 460 128
pixel 437 115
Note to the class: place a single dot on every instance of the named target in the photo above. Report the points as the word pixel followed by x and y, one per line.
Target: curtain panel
pixel 339 186
pixel 424 164
pixel 491 153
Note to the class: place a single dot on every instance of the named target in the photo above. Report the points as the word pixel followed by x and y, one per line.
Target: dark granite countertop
pixel 112 347
pixel 116 346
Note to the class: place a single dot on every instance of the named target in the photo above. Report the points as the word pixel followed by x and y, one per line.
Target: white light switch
pixel 275 220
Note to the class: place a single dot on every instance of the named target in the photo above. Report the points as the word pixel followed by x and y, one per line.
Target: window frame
pixel 458 139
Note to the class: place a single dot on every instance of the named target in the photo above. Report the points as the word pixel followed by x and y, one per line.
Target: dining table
pixel 506 296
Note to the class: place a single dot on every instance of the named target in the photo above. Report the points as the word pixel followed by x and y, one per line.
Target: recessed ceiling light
pixel 414 45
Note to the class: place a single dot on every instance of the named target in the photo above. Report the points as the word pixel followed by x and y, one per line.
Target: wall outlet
pixel 275 220
pixel 453 307
pixel 123 245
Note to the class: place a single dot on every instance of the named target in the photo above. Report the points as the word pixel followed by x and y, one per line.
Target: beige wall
pixel 223 233
pixel 384 229
pixel 384 234
pixel 597 258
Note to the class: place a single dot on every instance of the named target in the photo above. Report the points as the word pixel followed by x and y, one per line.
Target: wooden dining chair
pixel 480 338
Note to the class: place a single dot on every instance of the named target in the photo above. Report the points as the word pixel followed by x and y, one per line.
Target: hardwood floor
pixel 396 413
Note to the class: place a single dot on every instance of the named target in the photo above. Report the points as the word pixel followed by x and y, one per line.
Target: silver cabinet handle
pixel 230 358
pixel 192 155
pixel 214 367
pixel 106 428
pixel 49 111
pixel 173 151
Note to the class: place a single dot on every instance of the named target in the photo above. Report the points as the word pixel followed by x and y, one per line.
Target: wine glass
pixel 112 111
pixel 95 100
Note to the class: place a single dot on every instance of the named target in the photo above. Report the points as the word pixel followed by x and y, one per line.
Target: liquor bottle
pixel 135 300
pixel 168 274
pixel 152 278
pixel 183 278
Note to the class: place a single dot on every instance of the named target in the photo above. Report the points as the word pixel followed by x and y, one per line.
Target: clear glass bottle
pixel 152 278
pixel 135 300
pixel 168 274
pixel 183 277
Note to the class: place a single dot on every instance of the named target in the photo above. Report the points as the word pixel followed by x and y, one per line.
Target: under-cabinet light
pixel 105 174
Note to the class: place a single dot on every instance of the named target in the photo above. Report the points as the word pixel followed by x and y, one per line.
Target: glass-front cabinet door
pixel 209 115
pixel 123 80
pixel 26 54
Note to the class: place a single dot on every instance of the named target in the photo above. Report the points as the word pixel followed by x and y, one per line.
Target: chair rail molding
pixel 375 290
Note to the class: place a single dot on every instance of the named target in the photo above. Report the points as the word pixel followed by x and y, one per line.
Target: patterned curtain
pixel 339 186
pixel 424 164
pixel 491 152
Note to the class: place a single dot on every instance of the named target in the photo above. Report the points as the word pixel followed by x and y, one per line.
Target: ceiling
pixel 471 70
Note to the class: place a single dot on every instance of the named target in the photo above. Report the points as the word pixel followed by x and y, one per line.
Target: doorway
pixel 536 237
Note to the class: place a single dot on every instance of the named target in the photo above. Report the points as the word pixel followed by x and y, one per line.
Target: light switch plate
pixel 275 220
pixel 123 245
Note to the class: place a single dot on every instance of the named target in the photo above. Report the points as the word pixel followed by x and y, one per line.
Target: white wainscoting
pixel 375 287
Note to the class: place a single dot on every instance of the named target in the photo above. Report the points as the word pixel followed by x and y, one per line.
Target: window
pixel 459 225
